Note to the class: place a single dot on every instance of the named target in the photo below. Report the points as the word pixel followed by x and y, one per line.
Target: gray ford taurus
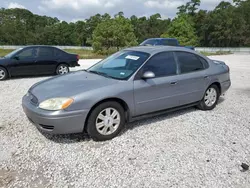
pixel 131 84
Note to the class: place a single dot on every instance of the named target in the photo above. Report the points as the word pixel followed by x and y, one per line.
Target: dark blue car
pixel 163 42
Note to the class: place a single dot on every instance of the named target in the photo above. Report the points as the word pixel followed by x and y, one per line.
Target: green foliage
pixel 182 28
pixel 228 25
pixel 117 32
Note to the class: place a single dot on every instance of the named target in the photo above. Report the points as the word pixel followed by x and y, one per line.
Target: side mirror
pixel 148 75
pixel 16 57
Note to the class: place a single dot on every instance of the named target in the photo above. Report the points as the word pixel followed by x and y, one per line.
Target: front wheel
pixel 62 69
pixel 210 98
pixel 106 121
pixel 3 74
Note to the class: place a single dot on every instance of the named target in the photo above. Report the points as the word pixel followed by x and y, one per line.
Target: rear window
pixel 169 42
pixel 151 42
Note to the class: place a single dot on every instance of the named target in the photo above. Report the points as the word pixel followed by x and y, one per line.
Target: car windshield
pixel 121 65
pixel 151 42
pixel 13 53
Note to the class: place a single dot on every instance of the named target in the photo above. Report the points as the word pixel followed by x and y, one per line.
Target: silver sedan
pixel 131 84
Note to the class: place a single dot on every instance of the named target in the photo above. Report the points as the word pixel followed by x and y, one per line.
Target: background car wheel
pixel 3 74
pixel 210 98
pixel 62 69
pixel 106 121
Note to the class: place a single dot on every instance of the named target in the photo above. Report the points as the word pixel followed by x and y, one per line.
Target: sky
pixel 73 10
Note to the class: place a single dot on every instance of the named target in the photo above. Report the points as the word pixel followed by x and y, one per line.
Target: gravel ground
pixel 188 148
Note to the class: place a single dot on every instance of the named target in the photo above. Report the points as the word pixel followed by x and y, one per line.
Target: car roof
pixel 160 39
pixel 33 46
pixel 157 49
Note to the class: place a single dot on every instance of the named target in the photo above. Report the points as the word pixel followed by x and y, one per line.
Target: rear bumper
pixel 55 122
pixel 75 64
pixel 225 86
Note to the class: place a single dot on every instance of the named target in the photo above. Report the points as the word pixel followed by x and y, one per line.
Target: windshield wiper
pixel 102 74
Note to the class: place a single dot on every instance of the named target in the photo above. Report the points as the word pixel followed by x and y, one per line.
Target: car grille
pixel 48 127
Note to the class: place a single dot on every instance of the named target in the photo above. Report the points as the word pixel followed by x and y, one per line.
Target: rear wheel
pixel 62 69
pixel 210 98
pixel 3 74
pixel 106 121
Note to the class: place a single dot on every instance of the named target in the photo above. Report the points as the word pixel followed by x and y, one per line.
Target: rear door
pixel 24 62
pixel 158 93
pixel 46 60
pixel 193 79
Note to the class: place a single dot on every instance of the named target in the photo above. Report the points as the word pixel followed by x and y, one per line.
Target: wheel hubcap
pixel 108 121
pixel 210 97
pixel 63 70
pixel 2 74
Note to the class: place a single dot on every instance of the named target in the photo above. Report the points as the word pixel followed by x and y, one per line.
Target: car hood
pixel 3 60
pixel 69 85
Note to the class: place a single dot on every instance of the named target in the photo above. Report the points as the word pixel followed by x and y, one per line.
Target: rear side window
pixel 57 52
pixel 204 62
pixel 162 64
pixel 45 52
pixel 189 62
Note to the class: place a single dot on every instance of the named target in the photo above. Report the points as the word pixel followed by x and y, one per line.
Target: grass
pixel 88 54
pixel 4 52
pixel 216 53
pixel 85 54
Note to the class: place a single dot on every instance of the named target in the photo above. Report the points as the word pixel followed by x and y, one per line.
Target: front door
pixel 23 63
pixel 158 93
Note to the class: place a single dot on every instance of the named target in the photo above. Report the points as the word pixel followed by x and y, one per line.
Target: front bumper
pixel 55 122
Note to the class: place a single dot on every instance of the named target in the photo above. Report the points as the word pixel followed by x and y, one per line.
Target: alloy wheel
pixel 63 69
pixel 210 97
pixel 2 74
pixel 108 121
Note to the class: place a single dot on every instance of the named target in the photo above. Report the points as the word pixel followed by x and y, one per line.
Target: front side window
pixel 121 65
pixel 189 62
pixel 161 65
pixel 27 53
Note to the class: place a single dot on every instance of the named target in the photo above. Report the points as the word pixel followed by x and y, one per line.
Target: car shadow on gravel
pixel 68 138
pixel 81 137
pixel 29 77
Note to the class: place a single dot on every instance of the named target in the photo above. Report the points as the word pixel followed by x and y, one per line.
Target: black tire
pixel 203 106
pixel 91 123
pixel 3 74
pixel 62 69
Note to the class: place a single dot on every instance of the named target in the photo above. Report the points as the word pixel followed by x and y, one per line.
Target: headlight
pixel 56 104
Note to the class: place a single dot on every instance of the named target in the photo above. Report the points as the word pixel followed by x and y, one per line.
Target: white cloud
pixel 74 9
pixel 16 5
pixel 163 4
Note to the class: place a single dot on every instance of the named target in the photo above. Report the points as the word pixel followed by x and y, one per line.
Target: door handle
pixel 173 83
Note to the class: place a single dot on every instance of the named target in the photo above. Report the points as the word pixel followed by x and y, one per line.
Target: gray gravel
pixel 189 148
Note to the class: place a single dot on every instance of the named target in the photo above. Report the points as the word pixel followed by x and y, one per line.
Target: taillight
pixel 77 57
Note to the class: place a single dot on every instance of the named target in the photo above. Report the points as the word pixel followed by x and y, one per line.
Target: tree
pixel 117 32
pixel 189 8
pixel 183 29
